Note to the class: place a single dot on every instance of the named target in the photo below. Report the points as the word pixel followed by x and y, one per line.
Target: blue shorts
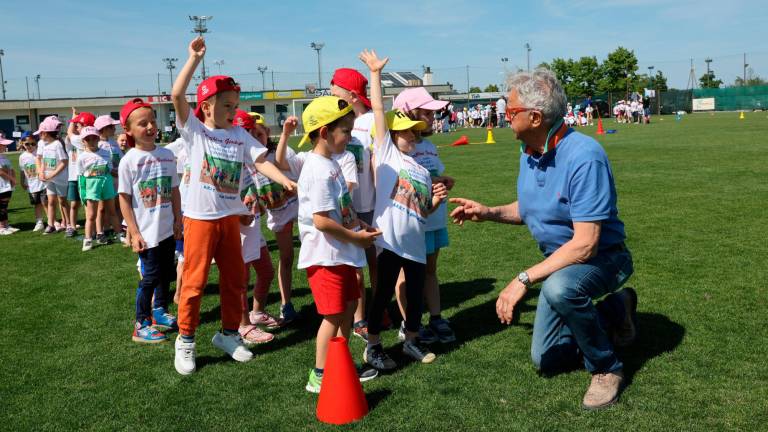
pixel 180 250
pixel 436 240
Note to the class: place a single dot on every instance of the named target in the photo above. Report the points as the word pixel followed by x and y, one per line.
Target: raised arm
pixel 178 93
pixel 375 65
pixel 71 127
pixel 289 126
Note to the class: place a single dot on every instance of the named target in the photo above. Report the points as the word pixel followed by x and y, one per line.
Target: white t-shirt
pixel 364 195
pixel 251 239
pixel 114 151
pixel 182 167
pixel 403 201
pixel 52 154
pixel 322 188
pixel 425 154
pixel 218 159
pixel 501 106
pixel 149 178
pixel 7 169
pixel 28 165
pixel 74 146
pixel 281 206
pixel 94 164
pixel 346 161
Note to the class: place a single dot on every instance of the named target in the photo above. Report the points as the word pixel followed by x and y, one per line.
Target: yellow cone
pixel 741 115
pixel 489 139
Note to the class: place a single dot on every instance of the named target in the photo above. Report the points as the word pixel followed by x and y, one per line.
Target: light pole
pixel 169 65
pixel 743 82
pixel 219 63
pixel 528 55
pixel 2 78
pixel 317 46
pixel 262 69
pixel 504 61
pixel 37 81
pixel 709 73
pixel 200 29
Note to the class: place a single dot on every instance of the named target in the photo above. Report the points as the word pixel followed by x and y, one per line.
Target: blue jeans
pixel 158 271
pixel 568 325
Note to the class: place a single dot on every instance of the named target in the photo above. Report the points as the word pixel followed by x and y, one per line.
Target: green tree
pixel 563 70
pixel 708 80
pixel 475 89
pixel 491 88
pixel 618 71
pixel 586 74
pixel 658 82
pixel 752 80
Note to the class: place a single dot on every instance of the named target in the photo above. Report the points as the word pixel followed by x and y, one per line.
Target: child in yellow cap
pixel 405 196
pixel 333 239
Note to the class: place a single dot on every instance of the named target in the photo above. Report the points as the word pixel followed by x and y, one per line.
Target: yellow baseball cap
pixel 322 111
pixel 398 120
pixel 257 118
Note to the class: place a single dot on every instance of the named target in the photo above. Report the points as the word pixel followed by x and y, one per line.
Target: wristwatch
pixel 524 279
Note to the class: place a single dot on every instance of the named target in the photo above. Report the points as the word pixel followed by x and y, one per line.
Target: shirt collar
pixel 560 131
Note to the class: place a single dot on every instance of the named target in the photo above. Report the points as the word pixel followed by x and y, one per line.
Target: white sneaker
pixel 401 332
pixel 87 245
pixel 232 345
pixel 5 231
pixel 39 226
pixel 12 229
pixel 185 357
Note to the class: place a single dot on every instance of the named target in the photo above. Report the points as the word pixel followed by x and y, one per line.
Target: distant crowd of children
pixel 370 192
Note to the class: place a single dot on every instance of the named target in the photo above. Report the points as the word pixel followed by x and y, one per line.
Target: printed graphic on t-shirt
pixel 348 215
pixel 223 174
pixel 250 197
pixel 155 191
pixel 115 159
pixel 49 164
pixel 30 170
pixel 187 173
pixel 272 195
pixel 357 152
pixel 411 193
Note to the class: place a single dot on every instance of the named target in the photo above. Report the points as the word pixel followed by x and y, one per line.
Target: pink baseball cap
pixel 49 124
pixel 89 131
pixel 103 121
pixel 4 141
pixel 412 98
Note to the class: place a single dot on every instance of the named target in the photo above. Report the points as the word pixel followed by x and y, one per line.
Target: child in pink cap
pixel 105 124
pixel 53 161
pixel 7 183
pixel 94 167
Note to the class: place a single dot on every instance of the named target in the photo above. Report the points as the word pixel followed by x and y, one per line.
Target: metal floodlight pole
pixel 37 82
pixel 709 76
pixel 528 55
pixel 170 66
pixel 504 61
pixel 2 77
pixel 317 46
pixel 743 82
pixel 219 64
pixel 201 29
pixel 467 86
pixel 262 69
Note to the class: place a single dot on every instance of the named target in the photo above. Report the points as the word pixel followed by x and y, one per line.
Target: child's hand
pixel 74 112
pixel 178 229
pixel 197 47
pixel 290 186
pixel 365 239
pixel 447 181
pixel 137 243
pixel 290 125
pixel 246 219
pixel 439 193
pixel 374 63
pixel 41 176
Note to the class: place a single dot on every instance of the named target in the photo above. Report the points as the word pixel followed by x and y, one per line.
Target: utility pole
pixel 709 76
pixel 467 86
pixel 273 80
pixel 262 69
pixel 219 63
pixel 2 77
pixel 158 84
pixel 504 61
pixel 170 66
pixel 528 55
pixel 200 29
pixel 317 46
pixel 691 78
pixel 37 81
pixel 744 82
pixel 658 96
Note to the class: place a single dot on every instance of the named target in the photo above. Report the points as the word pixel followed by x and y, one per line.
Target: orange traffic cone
pixel 600 130
pixel 341 398
pixel 463 140
pixel 489 138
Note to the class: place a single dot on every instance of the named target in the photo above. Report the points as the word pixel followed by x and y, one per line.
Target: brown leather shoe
pixel 625 335
pixel 603 391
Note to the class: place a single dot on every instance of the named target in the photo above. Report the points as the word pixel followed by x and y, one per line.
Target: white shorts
pixel 53 188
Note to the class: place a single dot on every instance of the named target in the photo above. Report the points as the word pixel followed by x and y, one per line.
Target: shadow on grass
pixel 657 335
pixel 455 293
pixel 272 245
pixel 376 397
pixel 22 226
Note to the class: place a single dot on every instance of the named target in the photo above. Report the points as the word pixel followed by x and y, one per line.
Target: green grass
pixel 693 196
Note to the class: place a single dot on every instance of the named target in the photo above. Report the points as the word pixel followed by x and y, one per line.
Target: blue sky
pixel 96 48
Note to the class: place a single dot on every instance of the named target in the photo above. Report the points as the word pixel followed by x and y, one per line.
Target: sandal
pixel 253 335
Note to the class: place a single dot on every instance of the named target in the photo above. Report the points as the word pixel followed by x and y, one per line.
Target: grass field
pixel 692 194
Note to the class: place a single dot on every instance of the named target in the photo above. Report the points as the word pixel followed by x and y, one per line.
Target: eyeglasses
pixel 512 112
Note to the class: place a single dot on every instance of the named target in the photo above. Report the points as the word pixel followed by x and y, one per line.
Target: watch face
pixel 523 277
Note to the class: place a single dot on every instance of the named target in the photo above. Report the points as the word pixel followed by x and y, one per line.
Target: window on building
pixel 258 109
pixel 281 108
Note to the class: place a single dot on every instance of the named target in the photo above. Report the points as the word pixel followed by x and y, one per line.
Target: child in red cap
pixel 219 156
pixel 74 146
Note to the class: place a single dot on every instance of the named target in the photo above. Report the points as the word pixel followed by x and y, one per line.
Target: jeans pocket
pixel 624 267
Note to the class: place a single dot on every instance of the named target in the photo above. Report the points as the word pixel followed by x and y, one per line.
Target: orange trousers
pixel 203 240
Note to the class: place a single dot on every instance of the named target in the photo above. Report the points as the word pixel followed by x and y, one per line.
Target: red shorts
pixel 333 287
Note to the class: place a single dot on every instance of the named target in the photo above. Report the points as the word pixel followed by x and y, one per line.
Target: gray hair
pixel 541 90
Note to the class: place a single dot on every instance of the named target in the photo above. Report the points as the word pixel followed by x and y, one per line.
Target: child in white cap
pixel 7 183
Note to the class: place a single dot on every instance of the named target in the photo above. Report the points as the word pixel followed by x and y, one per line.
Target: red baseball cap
pixel 352 80
pixel 244 120
pixel 84 118
pixel 212 86
pixel 129 107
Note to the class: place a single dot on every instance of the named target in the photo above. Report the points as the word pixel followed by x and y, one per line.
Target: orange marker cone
pixel 600 130
pixel 341 398
pixel 463 140
pixel 489 139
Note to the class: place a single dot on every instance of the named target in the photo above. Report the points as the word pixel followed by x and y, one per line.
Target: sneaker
pixel 626 333
pixel 5 231
pixel 416 350
pixel 603 391
pixel 185 356
pixel 39 226
pixel 314 382
pixel 87 244
pixel 61 228
pixel 161 318
pixel 360 329
pixel 56 226
pixel 232 345
pixel 366 373
pixel 442 330
pixel 401 332
pixel 427 335
pixel 102 239
pixel 122 238
pixel 264 319
pixel 375 356
pixel 49 230
pixel 12 229
pixel 70 232
pixel 145 333
pixel 253 335
pixel 288 314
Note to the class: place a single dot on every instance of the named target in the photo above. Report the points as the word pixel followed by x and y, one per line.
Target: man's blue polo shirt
pixel 571 183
